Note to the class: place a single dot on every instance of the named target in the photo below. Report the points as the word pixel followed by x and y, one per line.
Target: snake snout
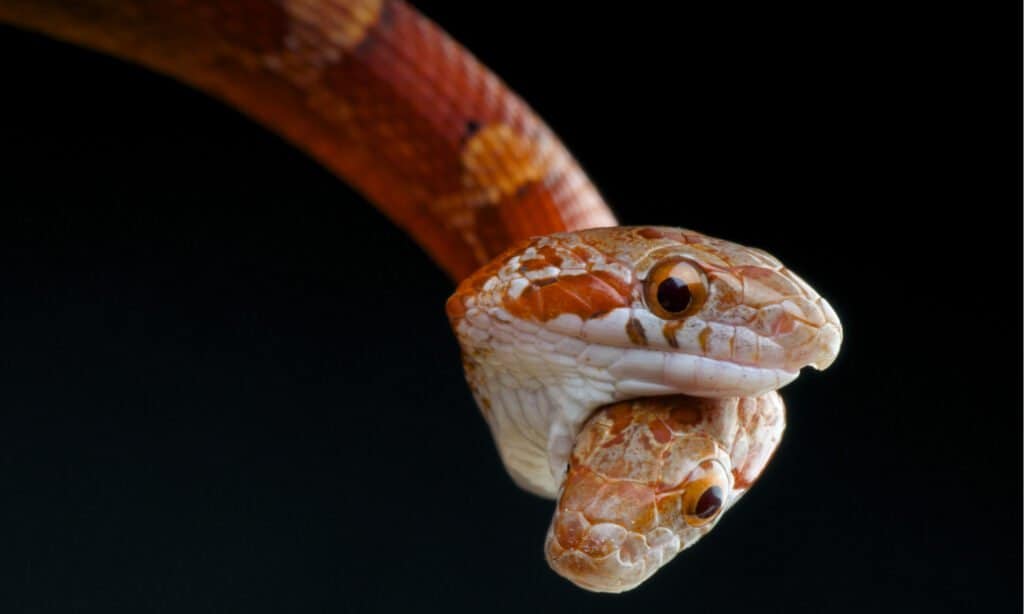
pixel 827 344
pixel 830 337
pixel 816 326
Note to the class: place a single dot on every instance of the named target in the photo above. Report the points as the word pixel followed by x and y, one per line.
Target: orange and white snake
pixel 629 372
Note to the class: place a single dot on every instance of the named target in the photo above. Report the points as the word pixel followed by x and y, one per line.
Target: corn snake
pixel 462 165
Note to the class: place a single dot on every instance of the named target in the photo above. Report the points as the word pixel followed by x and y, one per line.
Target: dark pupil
pixel 673 294
pixel 709 503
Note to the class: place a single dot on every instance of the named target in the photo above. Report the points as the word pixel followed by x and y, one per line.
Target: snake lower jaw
pixel 536 405
pixel 641 373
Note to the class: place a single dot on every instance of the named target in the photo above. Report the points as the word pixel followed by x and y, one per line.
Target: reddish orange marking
pixel 550 256
pixel 455 308
pixel 635 332
pixel 670 329
pixel 704 337
pixel 651 233
pixel 662 434
pixel 530 205
pixel 581 252
pixel 534 264
pixel 384 104
pixel 473 285
pixel 588 295
pixel 569 530
pixel 683 416
pixel 621 415
pixel 661 233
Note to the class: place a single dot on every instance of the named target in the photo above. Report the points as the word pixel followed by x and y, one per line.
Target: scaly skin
pixel 555 327
pixel 376 92
pixel 559 326
pixel 632 497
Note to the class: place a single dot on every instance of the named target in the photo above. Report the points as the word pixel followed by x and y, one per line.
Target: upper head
pixel 680 311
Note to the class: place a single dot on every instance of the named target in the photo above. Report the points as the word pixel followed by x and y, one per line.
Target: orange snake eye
pixel 675 288
pixel 704 497
pixel 708 503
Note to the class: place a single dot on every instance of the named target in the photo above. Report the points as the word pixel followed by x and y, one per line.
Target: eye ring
pixel 704 498
pixel 675 288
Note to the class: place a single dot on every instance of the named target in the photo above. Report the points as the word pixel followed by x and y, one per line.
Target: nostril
pixel 828 342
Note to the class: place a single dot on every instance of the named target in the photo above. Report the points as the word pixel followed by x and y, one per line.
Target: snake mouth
pixel 651 372
pixel 646 356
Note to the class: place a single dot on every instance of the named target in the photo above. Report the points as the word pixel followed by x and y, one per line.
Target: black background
pixel 208 406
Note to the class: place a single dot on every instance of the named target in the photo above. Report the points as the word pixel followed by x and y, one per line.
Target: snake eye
pixel 705 496
pixel 708 503
pixel 675 289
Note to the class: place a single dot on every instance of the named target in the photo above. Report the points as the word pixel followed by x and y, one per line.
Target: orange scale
pixel 570 528
pixel 582 487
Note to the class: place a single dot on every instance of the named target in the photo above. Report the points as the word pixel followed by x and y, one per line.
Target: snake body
pixel 565 332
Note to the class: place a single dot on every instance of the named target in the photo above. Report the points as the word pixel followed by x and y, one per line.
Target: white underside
pixel 541 386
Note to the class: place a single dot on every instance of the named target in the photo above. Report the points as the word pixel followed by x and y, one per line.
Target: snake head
pixel 649 477
pixel 559 325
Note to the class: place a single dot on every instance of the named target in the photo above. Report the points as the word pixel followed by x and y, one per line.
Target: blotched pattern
pixel 556 326
pixel 623 509
pixel 376 92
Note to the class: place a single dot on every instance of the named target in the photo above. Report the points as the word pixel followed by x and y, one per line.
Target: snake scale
pixel 628 372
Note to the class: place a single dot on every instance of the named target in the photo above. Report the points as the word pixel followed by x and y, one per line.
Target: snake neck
pixel 373 90
pixel 534 408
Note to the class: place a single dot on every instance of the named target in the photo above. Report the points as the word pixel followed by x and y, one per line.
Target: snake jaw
pixel 536 386
pixel 649 373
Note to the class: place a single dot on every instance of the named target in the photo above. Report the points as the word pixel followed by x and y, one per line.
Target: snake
pixel 628 372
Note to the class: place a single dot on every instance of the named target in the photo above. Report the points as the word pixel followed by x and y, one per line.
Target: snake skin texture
pixel 560 325
pixel 630 500
pixel 629 373
pixel 374 91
